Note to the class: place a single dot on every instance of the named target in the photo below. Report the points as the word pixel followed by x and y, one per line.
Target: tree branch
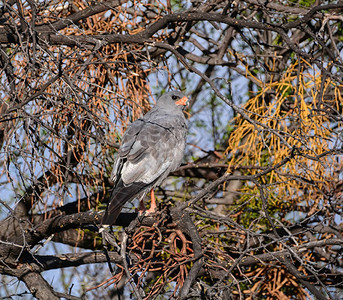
pixel 38 286
pixel 51 262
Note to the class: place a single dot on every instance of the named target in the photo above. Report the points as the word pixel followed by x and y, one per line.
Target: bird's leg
pixel 153 206
pixel 153 202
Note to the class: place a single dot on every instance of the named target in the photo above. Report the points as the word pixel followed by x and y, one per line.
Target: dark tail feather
pixel 120 195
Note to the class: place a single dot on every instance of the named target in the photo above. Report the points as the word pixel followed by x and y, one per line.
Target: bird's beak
pixel 182 101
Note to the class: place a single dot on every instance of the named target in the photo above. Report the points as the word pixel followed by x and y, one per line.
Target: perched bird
pixel 151 148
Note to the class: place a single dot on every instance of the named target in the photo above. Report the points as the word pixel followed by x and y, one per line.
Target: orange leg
pixel 153 202
pixel 152 207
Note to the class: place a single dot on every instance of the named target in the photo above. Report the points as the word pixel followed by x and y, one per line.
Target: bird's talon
pixel 151 210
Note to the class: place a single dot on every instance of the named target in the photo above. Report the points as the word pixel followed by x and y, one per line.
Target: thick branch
pixel 280 255
pixel 50 262
pixel 81 15
pixel 7 35
pixel 38 286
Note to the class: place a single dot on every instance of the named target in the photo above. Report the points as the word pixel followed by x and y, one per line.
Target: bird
pixel 151 148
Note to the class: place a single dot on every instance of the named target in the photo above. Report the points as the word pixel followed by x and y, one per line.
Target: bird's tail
pixel 120 195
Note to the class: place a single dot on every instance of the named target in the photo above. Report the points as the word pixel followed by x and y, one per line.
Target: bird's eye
pixel 175 97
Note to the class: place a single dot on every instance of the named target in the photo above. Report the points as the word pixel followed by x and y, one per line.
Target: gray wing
pixel 128 142
pixel 121 192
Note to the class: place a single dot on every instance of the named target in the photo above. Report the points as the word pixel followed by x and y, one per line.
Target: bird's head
pixel 172 100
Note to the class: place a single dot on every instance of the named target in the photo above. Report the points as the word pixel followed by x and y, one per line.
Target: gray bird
pixel 152 147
